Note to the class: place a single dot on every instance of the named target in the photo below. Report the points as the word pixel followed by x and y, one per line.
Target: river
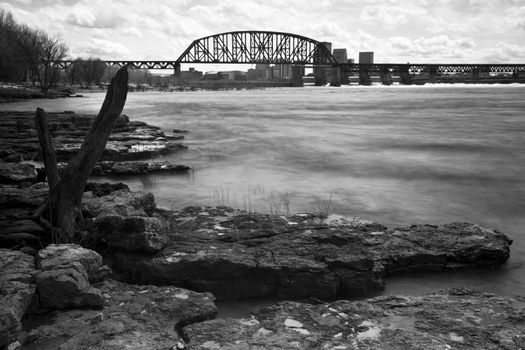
pixel 397 155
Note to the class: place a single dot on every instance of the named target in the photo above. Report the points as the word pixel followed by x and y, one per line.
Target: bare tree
pixel 39 51
pixel 88 71
pixel 52 49
pixel 63 208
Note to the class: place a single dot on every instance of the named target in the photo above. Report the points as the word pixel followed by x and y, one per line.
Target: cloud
pixel 132 31
pixel 515 18
pixel 84 16
pixel 504 53
pixel 25 2
pixel 102 48
pixel 439 24
pixel 389 16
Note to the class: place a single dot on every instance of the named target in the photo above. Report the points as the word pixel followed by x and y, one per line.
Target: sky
pixel 398 31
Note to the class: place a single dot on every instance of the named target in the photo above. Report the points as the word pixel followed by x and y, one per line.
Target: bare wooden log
pixel 48 151
pixel 66 196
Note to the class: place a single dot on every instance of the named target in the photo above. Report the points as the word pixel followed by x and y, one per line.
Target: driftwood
pixel 65 192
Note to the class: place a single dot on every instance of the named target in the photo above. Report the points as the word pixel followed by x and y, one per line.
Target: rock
pixel 128 141
pixel 15 173
pixel 166 167
pixel 56 256
pixel 134 317
pixel 103 189
pixel 10 156
pixel 237 255
pixel 129 168
pixel 14 346
pixel 29 250
pixel 31 197
pixel 16 292
pixel 121 202
pixel 65 287
pixel 438 248
pixel 26 226
pixel 470 320
pixel 136 168
pixel 13 238
pixel 132 233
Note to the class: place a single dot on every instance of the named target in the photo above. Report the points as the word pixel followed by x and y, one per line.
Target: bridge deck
pixel 347 67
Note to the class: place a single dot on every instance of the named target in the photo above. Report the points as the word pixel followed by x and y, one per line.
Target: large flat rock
pixel 238 255
pixel 134 317
pixel 458 319
pixel 130 140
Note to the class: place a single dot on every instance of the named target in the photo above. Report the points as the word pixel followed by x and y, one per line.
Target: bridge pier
pixel 518 76
pixel 386 77
pixel 404 74
pixel 335 76
pixel 176 71
pixel 320 76
pixel 364 77
pixel 297 77
pixel 475 74
pixel 432 74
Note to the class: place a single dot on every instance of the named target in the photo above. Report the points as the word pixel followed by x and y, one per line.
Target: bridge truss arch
pixel 257 47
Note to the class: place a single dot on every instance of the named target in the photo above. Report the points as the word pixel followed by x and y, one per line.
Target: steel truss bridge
pixel 251 47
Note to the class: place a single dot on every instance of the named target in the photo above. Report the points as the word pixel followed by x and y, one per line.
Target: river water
pixel 398 155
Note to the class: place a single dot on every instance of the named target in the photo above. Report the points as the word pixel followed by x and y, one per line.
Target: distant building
pixel 266 72
pixel 340 55
pixel 260 72
pixel 225 75
pixel 351 60
pixel 233 75
pixel 366 57
pixel 328 45
pixel 191 74
pixel 283 71
pixel 211 76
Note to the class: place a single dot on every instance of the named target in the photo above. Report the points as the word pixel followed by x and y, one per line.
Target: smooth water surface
pixel 398 155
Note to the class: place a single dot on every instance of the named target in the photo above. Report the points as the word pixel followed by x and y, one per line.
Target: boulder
pixel 56 256
pixel 457 319
pixel 238 255
pixel 16 173
pixel 16 292
pixel 122 202
pixel 134 317
pixel 65 287
pixel 438 248
pixel 132 233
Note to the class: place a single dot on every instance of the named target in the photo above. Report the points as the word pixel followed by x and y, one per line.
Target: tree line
pixel 26 51
pixel 27 54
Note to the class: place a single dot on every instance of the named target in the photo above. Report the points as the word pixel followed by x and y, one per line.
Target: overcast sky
pixel 448 31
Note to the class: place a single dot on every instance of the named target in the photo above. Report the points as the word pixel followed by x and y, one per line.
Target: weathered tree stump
pixel 62 210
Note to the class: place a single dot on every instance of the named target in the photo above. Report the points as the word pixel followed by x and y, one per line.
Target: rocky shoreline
pixel 15 92
pixel 152 275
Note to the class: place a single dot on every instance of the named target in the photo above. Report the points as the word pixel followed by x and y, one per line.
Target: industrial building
pixel 366 57
pixel 340 55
